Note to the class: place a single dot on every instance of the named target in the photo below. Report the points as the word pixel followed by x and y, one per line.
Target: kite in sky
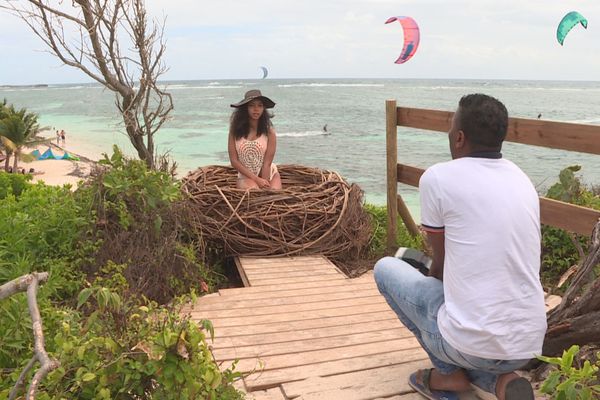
pixel 567 23
pixel 411 37
pixel 265 72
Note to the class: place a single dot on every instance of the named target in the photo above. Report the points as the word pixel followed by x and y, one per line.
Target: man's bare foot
pixel 454 382
pixel 512 387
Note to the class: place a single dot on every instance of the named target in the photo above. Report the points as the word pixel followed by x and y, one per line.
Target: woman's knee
pixel 246 184
pixel 276 182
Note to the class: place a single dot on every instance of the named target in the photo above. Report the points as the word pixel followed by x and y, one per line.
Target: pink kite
pixel 411 37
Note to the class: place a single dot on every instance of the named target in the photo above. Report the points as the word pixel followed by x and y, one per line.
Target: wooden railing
pixel 556 135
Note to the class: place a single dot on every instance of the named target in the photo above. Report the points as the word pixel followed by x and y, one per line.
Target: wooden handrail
pixel 551 134
pixel 556 135
pixel 556 213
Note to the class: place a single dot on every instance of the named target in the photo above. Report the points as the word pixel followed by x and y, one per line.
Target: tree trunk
pixel 15 161
pixel 577 319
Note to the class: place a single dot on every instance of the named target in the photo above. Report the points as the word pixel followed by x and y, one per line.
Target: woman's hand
pixel 262 183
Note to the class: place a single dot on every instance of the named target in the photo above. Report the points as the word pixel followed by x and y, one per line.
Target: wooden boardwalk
pixel 302 330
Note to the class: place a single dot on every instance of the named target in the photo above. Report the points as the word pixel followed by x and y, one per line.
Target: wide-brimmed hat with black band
pixel 255 94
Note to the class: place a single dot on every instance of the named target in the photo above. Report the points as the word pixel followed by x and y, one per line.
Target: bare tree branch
pixel 30 284
pixel 112 42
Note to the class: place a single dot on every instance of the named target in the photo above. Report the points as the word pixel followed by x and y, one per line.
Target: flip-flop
pixel 519 389
pixel 426 391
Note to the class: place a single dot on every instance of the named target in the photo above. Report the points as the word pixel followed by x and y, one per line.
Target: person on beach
pixel 252 142
pixel 57 137
pixel 63 136
pixel 480 313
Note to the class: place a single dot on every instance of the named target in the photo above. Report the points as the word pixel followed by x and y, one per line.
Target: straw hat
pixel 255 94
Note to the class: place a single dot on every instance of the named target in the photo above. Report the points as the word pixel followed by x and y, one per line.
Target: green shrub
pixel 123 350
pixel 559 252
pixel 571 383
pixel 142 223
pixel 12 184
pixel 378 242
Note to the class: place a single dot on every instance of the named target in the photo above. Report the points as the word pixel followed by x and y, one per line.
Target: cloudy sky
pixel 231 39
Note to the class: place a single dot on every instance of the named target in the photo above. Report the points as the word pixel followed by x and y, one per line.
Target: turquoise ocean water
pixel 354 111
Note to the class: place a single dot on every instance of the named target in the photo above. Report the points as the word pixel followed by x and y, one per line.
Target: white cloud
pixel 336 38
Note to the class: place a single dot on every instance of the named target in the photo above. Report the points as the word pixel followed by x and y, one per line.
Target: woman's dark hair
pixel 483 119
pixel 239 123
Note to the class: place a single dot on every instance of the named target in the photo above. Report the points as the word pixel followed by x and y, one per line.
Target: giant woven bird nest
pixel 316 212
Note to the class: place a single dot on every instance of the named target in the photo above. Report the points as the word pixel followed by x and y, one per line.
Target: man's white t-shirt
pixel 489 212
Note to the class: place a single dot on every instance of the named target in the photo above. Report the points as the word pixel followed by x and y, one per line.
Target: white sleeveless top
pixel 251 154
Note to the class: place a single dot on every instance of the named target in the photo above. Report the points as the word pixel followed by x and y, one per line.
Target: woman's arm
pixel 265 171
pixel 237 164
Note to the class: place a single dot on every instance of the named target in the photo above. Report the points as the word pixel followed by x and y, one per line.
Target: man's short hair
pixel 483 119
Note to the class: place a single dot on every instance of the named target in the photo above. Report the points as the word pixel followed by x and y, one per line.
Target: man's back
pixel 489 212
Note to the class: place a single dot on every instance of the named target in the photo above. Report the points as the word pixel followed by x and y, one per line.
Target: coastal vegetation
pixel 115 329
pixel 115 45
pixel 18 129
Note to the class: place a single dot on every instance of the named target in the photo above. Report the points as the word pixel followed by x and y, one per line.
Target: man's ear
pixel 461 140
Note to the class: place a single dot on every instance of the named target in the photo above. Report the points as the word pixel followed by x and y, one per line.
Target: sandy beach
pixel 61 172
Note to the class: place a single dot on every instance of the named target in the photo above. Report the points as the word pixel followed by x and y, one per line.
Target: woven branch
pixel 316 212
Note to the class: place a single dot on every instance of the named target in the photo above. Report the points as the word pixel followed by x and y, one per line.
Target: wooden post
pixel 408 220
pixel 391 129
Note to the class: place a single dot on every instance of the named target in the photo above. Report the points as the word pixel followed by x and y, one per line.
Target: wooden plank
pixel 270 394
pixel 231 302
pixel 420 118
pixel 305 334
pixel 409 396
pixel 289 268
pixel 570 217
pixel 301 279
pixel 282 361
pixel 275 258
pixel 292 326
pixel 290 274
pixel 244 321
pixel 360 385
pixel 241 272
pixel 278 260
pixel 408 220
pixel 323 366
pixel 283 261
pixel 295 289
pixel 409 175
pixel 552 134
pixel 291 309
pixel 297 346
pixel 391 144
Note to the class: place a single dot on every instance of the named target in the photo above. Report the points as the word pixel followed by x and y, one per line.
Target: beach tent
pixel 47 155
pixel 36 153
pixel 68 156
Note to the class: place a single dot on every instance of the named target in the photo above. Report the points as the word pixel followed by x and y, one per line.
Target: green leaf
pixel 83 296
pixel 88 376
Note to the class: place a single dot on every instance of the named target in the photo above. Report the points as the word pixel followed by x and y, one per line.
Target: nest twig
pixel 316 212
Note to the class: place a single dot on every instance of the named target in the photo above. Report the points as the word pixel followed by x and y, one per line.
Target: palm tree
pixel 17 130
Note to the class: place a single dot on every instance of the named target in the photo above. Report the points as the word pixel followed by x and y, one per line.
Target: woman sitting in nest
pixel 252 143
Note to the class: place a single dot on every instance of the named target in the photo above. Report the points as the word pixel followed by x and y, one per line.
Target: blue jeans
pixel 416 299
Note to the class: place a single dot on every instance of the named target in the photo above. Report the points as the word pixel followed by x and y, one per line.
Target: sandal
pixel 426 391
pixel 519 389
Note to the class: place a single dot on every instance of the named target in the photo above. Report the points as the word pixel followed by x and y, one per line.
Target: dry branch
pixel 30 284
pixel 316 212
pixel 112 42
pixel 576 319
